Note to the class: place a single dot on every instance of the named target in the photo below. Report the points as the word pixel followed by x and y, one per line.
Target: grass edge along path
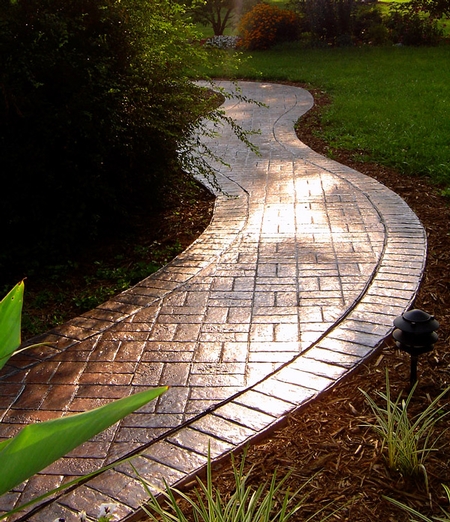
pixel 389 104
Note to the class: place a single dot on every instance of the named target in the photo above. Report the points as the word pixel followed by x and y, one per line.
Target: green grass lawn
pixel 391 102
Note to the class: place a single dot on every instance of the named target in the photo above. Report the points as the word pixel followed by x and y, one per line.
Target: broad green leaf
pixel 10 322
pixel 38 445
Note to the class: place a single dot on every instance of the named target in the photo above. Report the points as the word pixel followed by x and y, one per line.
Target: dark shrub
pixel 342 22
pixel 328 20
pixel 94 101
pixel 368 25
pixel 408 26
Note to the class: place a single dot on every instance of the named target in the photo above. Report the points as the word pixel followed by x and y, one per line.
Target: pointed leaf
pixel 38 445
pixel 10 322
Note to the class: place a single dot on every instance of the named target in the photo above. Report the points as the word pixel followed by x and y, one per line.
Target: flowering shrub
pixel 266 25
pixel 222 42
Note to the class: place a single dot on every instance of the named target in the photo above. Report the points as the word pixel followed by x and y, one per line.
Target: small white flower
pixel 222 42
pixel 106 510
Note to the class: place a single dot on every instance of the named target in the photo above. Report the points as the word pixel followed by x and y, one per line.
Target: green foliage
pixel 408 441
pixel 389 104
pixel 368 26
pixel 435 8
pixel 342 22
pixel 95 106
pixel 38 445
pixel 269 502
pixel 10 321
pixel 408 26
pixel 266 25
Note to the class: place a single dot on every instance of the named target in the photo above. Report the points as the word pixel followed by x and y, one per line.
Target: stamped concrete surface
pixel 295 282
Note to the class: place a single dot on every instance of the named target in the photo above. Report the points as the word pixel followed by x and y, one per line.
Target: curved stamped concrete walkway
pixel 295 282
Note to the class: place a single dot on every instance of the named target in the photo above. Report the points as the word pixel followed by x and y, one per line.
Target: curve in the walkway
pixel 295 282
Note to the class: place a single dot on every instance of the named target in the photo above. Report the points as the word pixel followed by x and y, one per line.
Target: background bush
pixel 342 22
pixel 348 22
pixel 95 100
pixel 266 25
pixel 368 25
pixel 328 21
pixel 408 26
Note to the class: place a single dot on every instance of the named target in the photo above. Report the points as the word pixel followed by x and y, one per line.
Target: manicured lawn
pixel 391 102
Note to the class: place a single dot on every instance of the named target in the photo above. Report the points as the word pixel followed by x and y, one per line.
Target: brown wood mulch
pixel 327 442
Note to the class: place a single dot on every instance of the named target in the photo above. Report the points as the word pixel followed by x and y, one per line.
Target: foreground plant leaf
pixel 38 445
pixel 10 322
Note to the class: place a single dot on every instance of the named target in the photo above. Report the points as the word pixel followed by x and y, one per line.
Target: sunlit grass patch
pixel 392 103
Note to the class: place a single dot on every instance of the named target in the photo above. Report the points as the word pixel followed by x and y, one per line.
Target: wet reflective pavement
pixel 295 282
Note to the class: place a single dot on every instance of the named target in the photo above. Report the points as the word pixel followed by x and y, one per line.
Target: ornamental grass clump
pixel 268 502
pixel 266 25
pixel 412 511
pixel 408 441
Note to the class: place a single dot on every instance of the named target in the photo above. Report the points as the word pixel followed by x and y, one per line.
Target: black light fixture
pixel 415 334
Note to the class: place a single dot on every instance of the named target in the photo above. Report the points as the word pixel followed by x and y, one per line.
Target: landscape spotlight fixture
pixel 415 334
